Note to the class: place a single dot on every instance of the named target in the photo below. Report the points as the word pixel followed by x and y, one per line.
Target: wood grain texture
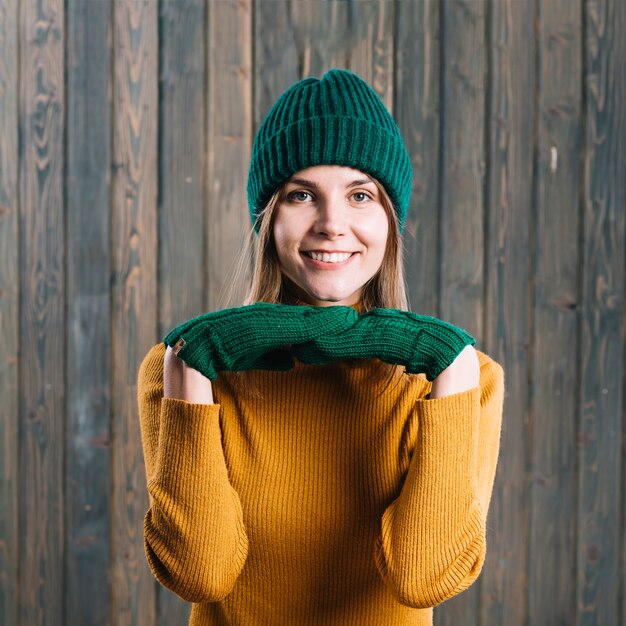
pixel 417 111
pixel 134 296
pixel 42 326
pixel 9 311
pixel 508 279
pixel 88 151
pixel 182 119
pixel 555 368
pixel 313 38
pixel 462 194
pixel 461 232
pixel 322 36
pixel 125 136
pixel 229 143
pixel 371 55
pixel 602 352
pixel 277 57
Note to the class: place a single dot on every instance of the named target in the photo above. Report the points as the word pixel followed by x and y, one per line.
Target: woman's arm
pixel 461 375
pixel 194 534
pixel 184 382
pixel 432 543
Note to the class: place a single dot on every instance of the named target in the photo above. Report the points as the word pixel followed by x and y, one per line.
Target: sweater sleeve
pixel 194 536
pixel 432 543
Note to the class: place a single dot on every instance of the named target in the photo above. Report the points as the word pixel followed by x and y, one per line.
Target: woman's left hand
pixel 461 375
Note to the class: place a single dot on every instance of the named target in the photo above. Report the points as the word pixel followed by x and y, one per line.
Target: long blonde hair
pixel 386 289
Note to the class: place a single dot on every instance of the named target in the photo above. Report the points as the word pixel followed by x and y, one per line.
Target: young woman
pixel 319 454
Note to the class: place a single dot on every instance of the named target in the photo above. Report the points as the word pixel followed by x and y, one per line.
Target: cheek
pixel 280 232
pixel 286 239
pixel 377 234
pixel 279 237
pixel 285 228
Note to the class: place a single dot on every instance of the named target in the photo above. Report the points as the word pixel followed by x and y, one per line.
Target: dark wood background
pixel 125 133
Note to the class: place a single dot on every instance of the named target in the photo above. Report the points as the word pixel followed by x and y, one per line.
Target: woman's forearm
pixel 183 382
pixel 461 375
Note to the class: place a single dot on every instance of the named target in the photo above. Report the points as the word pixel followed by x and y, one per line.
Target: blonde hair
pixel 386 289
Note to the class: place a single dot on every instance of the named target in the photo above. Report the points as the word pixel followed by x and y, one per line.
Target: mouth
pixel 328 257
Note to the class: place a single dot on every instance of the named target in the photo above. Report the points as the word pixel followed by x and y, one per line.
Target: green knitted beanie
pixel 336 120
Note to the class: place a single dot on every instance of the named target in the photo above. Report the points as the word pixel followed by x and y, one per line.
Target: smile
pixel 329 257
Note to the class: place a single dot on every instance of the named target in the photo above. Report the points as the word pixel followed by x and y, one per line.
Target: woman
pixel 320 455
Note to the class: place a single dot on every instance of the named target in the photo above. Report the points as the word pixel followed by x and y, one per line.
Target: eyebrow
pixel 314 185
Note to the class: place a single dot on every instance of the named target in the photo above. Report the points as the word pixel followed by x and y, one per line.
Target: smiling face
pixel 330 231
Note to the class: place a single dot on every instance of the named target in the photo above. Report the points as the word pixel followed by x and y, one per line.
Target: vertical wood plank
pixel 555 370
pixel 278 61
pixel 42 328
pixel 134 296
pixel 89 316
pixel 294 40
pixel 229 139
pixel 322 35
pixel 372 54
pixel 462 234
pixel 602 332
pixel 417 102
pixel 462 196
pixel 181 161
pixel 181 181
pixel 9 312
pixel 507 328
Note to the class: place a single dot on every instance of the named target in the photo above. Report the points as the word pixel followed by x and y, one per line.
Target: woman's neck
pixel 288 296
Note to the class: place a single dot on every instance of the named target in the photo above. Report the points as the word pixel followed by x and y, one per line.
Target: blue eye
pixel 362 193
pixel 293 194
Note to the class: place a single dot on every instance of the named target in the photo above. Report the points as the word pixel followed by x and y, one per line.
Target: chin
pixel 330 300
pixel 320 295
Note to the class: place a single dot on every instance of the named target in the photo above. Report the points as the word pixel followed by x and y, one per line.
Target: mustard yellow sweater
pixel 330 498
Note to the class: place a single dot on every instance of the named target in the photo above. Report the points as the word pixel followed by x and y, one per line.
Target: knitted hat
pixel 336 120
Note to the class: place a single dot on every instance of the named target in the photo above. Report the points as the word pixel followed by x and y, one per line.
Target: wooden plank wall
pixel 125 133
pixel 88 478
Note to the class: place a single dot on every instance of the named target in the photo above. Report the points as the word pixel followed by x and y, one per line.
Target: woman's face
pixel 330 230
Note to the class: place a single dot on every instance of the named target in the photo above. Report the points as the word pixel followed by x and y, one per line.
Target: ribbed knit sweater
pixel 331 497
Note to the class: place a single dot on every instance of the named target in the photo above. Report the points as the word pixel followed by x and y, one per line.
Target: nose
pixel 331 219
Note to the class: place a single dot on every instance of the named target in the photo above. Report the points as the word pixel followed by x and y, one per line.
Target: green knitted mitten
pixel 254 336
pixel 419 342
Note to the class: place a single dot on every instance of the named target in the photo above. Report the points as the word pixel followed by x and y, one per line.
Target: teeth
pixel 334 257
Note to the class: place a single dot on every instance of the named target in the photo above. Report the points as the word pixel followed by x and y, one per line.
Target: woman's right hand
pixel 183 382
